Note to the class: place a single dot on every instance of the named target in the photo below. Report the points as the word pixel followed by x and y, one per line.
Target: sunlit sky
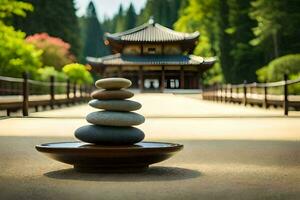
pixel 107 7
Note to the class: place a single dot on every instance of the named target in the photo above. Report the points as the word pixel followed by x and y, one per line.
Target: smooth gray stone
pixel 109 135
pixel 113 83
pixel 115 105
pixel 111 118
pixel 111 94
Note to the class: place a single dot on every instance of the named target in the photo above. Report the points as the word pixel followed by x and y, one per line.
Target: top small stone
pixel 113 83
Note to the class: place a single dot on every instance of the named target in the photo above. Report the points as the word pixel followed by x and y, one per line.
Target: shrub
pixel 46 72
pixel 56 52
pixel 78 73
pixel 16 55
pixel 274 71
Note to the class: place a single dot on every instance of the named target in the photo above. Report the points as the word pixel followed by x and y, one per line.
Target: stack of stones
pixel 113 124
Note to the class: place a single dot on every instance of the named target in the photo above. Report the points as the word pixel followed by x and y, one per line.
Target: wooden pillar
pixel 25 94
pixel 195 81
pixel 120 71
pixel 162 86
pixel 141 78
pixel 181 77
pixel 198 77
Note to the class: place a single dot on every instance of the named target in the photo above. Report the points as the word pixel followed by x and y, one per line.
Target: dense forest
pixel 252 39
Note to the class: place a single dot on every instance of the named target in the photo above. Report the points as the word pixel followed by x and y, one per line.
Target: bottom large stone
pixel 107 135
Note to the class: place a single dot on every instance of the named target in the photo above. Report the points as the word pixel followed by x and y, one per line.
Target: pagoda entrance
pixel 152 82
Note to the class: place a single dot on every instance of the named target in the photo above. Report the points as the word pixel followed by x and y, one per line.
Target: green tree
pixel 205 16
pixel 277 29
pixel 164 12
pixel 275 70
pixel 246 59
pixel 226 30
pixel 16 55
pixel 46 72
pixel 9 8
pixel 93 45
pixel 55 17
pixel 78 73
pixel 119 20
pixel 130 18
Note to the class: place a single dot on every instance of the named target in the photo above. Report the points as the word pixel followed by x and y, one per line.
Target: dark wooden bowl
pixel 99 158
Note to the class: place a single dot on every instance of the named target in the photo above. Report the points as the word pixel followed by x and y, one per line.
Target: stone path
pixel 231 152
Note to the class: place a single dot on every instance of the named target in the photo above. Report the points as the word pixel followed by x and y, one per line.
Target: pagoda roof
pixel 120 59
pixel 151 32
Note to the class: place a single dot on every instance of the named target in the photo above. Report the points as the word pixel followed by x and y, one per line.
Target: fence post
pixel 80 91
pixel 245 92
pixel 215 92
pixel 231 91
pixel 225 91
pixel 74 92
pixel 52 92
pixel 25 94
pixel 265 104
pixel 68 91
pixel 286 93
pixel 221 93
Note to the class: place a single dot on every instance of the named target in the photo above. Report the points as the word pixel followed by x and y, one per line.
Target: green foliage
pixel 277 29
pixel 16 55
pixel 46 72
pixel 274 71
pixel 78 73
pixel 226 30
pixel 204 16
pixel 8 8
pixel 55 51
pixel 130 18
pixel 93 45
pixel 164 12
pixel 55 17
pixel 213 76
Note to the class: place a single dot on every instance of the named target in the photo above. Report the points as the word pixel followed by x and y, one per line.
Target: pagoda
pixel 153 57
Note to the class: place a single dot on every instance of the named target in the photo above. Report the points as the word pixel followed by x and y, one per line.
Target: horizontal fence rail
pixel 256 94
pixel 23 93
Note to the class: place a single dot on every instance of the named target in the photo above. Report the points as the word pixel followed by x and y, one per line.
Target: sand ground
pixel 231 152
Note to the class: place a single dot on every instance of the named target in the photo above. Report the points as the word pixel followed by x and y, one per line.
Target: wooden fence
pixel 24 93
pixel 256 94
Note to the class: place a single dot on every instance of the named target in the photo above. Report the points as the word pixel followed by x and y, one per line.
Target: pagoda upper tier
pixel 151 33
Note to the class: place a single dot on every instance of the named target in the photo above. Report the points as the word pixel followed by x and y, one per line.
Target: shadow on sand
pixel 158 173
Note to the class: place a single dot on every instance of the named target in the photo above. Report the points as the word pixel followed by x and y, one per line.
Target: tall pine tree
pixel 246 59
pixel 277 29
pixel 93 45
pixel 130 18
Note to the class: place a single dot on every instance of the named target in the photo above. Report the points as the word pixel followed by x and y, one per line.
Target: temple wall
pixel 132 50
pixel 167 49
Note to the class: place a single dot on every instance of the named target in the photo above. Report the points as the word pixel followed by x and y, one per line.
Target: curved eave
pixel 117 40
pixel 151 33
pixel 119 60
